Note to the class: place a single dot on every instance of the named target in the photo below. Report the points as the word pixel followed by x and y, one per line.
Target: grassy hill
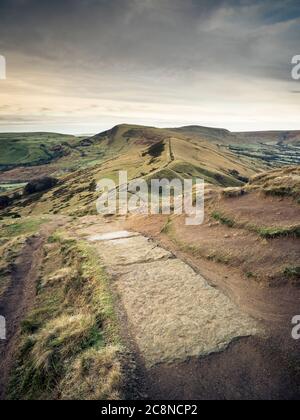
pixel 146 152
pixel 71 343
pixel 27 155
pixel 272 148
pixel 33 148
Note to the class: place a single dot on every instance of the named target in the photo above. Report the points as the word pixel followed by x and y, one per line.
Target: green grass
pixel 223 219
pixel 11 187
pixel 70 345
pixel 273 232
pixel 24 227
pixel 262 231
pixel 292 272
pixel 32 148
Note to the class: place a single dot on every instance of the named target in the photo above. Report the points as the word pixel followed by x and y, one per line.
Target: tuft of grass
pixel 279 191
pixel 70 345
pixel 223 219
pixel 277 232
pixel 167 228
pixel 292 272
pixel 250 275
pixel 233 192
pixel 263 232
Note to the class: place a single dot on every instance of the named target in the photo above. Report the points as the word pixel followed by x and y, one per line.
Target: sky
pixel 83 66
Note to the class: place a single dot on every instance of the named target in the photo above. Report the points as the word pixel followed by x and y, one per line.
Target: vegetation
pixel 292 272
pixel 281 183
pixel 70 346
pixel 11 187
pixel 264 232
pixel 223 219
pixel 12 239
pixel 9 250
pixel 32 148
pixel 271 232
pixel 25 227
pixel 233 192
pixel 40 185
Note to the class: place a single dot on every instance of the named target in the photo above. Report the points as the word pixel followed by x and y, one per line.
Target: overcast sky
pixel 82 66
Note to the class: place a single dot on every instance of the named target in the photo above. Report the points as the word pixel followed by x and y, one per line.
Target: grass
pixel 12 239
pixel 70 345
pixel 233 192
pixel 11 187
pixel 273 232
pixel 223 219
pixel 167 228
pixel 24 227
pixel 262 231
pixel 32 148
pixel 9 250
pixel 292 272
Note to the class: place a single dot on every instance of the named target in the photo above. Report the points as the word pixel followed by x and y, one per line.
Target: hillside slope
pixel 247 249
pixel 142 152
pixel 27 156
pixel 31 149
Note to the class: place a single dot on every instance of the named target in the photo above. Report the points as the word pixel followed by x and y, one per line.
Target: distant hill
pixel 219 135
pixel 31 149
pixel 219 156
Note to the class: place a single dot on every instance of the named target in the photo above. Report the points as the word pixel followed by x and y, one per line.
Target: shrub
pixel 40 185
pixel 4 202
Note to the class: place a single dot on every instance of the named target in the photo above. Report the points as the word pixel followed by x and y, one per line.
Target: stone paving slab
pixel 173 312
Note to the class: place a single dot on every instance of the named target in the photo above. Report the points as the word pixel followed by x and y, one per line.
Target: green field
pixel 29 149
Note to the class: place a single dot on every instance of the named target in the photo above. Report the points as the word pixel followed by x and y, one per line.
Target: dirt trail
pixel 19 297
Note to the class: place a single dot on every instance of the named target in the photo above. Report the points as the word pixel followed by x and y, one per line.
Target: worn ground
pixel 19 297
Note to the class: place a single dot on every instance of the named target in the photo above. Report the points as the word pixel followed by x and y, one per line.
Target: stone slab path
pixel 172 311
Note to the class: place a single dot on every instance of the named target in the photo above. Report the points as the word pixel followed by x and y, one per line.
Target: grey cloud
pixel 239 36
pixel 208 54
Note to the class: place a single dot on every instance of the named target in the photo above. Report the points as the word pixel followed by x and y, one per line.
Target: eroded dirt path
pixel 19 297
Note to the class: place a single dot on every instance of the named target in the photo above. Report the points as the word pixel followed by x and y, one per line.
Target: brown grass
pixel 70 346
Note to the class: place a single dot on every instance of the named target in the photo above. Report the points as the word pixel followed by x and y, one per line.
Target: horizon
pixel 82 66
pixel 81 134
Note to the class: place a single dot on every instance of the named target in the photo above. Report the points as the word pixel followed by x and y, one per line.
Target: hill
pixel 79 296
pixel 30 149
pixel 272 148
pixel 30 155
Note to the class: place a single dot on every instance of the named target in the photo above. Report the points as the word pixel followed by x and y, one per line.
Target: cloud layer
pixel 78 65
